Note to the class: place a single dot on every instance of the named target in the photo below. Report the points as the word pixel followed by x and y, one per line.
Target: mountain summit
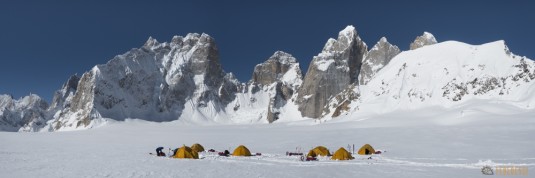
pixel 424 40
pixel 331 71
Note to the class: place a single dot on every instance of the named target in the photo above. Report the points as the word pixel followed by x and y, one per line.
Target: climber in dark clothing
pixel 159 151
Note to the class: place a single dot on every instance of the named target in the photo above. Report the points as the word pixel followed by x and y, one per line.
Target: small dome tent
pixel 319 150
pixel 186 152
pixel 366 150
pixel 311 153
pixel 241 151
pixel 197 147
pixel 342 154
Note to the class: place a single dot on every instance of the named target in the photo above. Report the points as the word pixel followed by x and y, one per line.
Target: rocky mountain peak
pixel 278 78
pixel 72 83
pixel 275 69
pixel 25 114
pixel 5 101
pixel 424 40
pixel 63 95
pixel 346 38
pixel 151 42
pixel 349 32
pixel 382 40
pixel 33 100
pixel 202 38
pixel 378 57
pixel 154 82
pixel 331 71
pixel 282 57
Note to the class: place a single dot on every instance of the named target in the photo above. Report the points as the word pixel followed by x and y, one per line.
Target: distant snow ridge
pixel 183 80
pixel 25 115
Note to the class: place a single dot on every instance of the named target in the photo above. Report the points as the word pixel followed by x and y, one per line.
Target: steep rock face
pixel 424 40
pixel 156 82
pixel 331 71
pixel 280 75
pixel 275 68
pixel 63 97
pixel 27 114
pixel 376 59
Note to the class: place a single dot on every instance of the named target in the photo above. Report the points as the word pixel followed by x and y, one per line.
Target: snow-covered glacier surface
pixel 457 142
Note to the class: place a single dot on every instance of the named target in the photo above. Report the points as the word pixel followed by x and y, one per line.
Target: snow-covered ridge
pixel 450 73
pixel 26 114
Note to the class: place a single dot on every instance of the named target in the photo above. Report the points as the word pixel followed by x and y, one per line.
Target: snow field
pixel 417 144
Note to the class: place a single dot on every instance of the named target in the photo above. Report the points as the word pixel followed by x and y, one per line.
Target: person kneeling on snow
pixel 159 151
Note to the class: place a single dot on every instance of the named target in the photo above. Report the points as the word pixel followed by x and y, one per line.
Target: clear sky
pixel 42 42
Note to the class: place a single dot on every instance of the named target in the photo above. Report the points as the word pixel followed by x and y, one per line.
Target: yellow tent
pixel 197 147
pixel 366 150
pixel 186 152
pixel 319 150
pixel 311 153
pixel 241 151
pixel 342 154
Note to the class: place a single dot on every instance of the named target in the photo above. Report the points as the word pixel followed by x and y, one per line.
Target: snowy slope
pixel 450 73
pixel 417 144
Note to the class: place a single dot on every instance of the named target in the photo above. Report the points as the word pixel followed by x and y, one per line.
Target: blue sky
pixel 43 43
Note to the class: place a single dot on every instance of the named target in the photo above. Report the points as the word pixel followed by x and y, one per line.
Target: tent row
pixel 340 154
pixel 192 152
pixel 186 152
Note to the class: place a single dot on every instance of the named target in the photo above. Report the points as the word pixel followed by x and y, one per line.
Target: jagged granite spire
pixel 273 69
pixel 331 71
pixel 376 59
pixel 281 76
pixel 62 97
